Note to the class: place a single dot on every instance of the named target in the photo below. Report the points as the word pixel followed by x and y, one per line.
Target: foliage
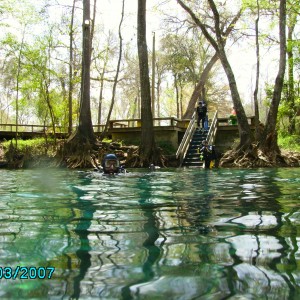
pixel 289 142
pixel 167 148
pixel 37 146
pixel 43 80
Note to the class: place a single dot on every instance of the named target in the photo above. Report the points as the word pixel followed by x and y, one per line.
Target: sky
pixel 241 56
pixel 242 59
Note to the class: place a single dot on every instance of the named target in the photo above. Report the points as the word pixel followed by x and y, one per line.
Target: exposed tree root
pixel 78 153
pixel 254 157
pixel 14 158
pixel 134 160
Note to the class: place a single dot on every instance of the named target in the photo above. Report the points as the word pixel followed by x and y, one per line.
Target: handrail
pixel 29 128
pixel 123 123
pixel 211 135
pixel 185 142
pixel 131 123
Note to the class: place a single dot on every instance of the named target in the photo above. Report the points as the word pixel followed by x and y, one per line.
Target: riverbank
pixel 41 153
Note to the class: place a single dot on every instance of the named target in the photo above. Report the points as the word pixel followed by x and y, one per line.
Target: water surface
pixel 168 234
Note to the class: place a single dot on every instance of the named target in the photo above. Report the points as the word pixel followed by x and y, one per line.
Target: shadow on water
pixel 87 209
pixel 151 228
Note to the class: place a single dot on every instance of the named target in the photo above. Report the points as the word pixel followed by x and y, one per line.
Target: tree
pixel 255 94
pixel 181 58
pixel 208 61
pixel 70 96
pixel 147 151
pixel 268 141
pixel 291 23
pixel 77 150
pixel 85 131
pixel 218 43
pixel 266 152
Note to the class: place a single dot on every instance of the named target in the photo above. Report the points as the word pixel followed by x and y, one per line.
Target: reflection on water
pixel 172 234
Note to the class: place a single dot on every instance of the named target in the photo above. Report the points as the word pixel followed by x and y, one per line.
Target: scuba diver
pixel 208 153
pixel 111 165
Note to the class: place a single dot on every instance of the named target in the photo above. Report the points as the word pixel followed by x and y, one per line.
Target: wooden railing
pixel 133 123
pixel 185 142
pixel 31 128
pixel 128 123
pixel 212 129
pixel 225 121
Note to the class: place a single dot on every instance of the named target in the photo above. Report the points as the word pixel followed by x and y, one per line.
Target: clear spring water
pixel 169 234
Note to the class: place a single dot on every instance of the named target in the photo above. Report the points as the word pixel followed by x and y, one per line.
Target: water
pixel 170 234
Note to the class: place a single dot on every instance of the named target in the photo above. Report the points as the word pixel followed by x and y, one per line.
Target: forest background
pixel 39 78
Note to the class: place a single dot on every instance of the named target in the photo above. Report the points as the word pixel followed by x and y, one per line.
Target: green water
pixel 170 234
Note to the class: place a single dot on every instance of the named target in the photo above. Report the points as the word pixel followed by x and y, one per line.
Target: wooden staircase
pixel 192 140
pixel 192 157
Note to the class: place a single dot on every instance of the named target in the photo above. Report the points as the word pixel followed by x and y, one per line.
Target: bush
pixel 37 146
pixel 289 142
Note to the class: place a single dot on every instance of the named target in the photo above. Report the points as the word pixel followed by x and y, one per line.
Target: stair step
pixel 193 161
pixel 198 165
pixel 195 146
pixel 192 158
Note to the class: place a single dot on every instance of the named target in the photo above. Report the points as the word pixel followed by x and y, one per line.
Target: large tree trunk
pixel 176 94
pixel 147 150
pixel 255 94
pixel 85 127
pixel 291 91
pixel 71 71
pixel 268 142
pixel 78 151
pixel 243 126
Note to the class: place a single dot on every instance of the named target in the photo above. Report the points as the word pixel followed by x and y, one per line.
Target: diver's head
pixel 110 164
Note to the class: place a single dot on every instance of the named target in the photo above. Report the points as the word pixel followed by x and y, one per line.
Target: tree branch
pixel 200 24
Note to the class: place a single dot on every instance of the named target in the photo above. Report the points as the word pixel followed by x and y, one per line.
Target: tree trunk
pixel 158 94
pixel 85 127
pixel 93 22
pixel 243 126
pixel 78 152
pixel 71 71
pixel 291 91
pixel 176 94
pixel 147 147
pixel 268 142
pixel 256 110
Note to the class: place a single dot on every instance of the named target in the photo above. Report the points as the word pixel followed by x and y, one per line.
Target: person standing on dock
pixel 233 118
pixel 201 113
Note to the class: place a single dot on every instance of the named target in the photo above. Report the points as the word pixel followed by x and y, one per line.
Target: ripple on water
pixel 153 234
